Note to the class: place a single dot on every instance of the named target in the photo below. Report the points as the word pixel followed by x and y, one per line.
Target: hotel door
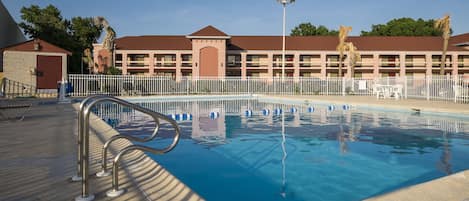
pixel 208 62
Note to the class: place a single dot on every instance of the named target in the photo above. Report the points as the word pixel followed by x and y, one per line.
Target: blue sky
pixel 249 17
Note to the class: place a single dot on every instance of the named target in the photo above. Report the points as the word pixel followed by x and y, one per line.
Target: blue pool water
pixel 301 154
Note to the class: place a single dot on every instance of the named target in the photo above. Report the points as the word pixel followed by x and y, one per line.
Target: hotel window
pixel 463 61
pixel 332 61
pixel 166 60
pixel 118 60
pixel 256 61
pixel 389 61
pixel 186 60
pixel 409 61
pixel 233 60
pixel 365 61
pixel 415 61
pixel 138 60
pixel 310 60
pixel 277 60
pixel 436 61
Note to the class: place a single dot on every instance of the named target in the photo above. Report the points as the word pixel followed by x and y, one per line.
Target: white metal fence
pixel 429 88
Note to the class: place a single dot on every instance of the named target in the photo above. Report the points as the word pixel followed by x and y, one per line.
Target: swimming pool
pixel 237 150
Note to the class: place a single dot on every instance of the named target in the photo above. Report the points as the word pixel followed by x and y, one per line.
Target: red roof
pixel 29 47
pixel 153 43
pixel 459 39
pixel 209 31
pixel 311 43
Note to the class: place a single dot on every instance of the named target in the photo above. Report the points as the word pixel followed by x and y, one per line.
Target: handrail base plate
pixel 76 178
pixel 113 193
pixel 103 173
pixel 80 198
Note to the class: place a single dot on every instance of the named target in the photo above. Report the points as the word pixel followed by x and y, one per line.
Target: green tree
pixel 49 25
pixel 307 29
pixel 404 27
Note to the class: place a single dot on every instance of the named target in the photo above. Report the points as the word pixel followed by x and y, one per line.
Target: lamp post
pixel 284 4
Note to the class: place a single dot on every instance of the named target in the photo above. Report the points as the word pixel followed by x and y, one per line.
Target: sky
pixel 248 17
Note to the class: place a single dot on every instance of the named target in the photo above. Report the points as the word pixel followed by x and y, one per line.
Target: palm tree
pixel 343 33
pixel 443 24
pixel 108 41
pixel 353 56
pixel 88 59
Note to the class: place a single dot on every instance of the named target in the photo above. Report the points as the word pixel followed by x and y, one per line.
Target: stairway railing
pixel 83 137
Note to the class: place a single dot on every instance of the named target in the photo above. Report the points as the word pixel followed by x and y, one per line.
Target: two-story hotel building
pixel 210 52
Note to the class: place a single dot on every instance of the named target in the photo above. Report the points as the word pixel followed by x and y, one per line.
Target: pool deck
pixel 38 156
pixel 370 101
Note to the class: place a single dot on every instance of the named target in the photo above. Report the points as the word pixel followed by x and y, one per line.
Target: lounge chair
pixel 379 91
pixel 460 94
pixel 397 91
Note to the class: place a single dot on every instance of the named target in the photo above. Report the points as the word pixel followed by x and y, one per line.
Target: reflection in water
pixel 349 152
pixel 341 139
pixel 284 150
pixel 444 164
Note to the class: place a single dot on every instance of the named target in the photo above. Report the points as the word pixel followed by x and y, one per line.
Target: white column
pixel 243 65
pixel 455 65
pixel 124 63
pixel 402 64
pixel 428 64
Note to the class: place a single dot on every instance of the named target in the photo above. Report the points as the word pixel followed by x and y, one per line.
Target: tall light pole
pixel 284 4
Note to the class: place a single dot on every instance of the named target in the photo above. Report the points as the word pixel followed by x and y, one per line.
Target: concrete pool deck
pixel 38 156
pixel 370 101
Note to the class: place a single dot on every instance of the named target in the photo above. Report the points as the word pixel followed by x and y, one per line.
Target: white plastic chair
pixel 378 90
pixel 459 93
pixel 397 91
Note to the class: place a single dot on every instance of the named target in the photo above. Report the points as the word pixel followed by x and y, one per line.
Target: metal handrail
pixel 115 191
pixel 83 103
pixel 104 172
pixel 84 135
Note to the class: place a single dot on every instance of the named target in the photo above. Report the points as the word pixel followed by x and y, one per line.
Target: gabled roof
pixel 209 32
pixel 28 46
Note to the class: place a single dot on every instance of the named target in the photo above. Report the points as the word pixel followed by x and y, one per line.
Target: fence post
pixel 343 86
pixel 427 81
pixel 187 85
pixel 327 86
pixel 301 86
pixel 248 84
pixel 405 87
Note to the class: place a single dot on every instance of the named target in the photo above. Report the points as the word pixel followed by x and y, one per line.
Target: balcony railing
pixel 235 64
pixel 309 64
pixel 137 64
pixel 436 64
pixel 463 64
pixel 278 64
pixel 254 64
pixel 186 64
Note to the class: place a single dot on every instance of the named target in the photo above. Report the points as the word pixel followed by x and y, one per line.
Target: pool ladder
pixel 83 144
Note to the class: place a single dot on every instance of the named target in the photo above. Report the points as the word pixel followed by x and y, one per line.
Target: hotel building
pixel 210 52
